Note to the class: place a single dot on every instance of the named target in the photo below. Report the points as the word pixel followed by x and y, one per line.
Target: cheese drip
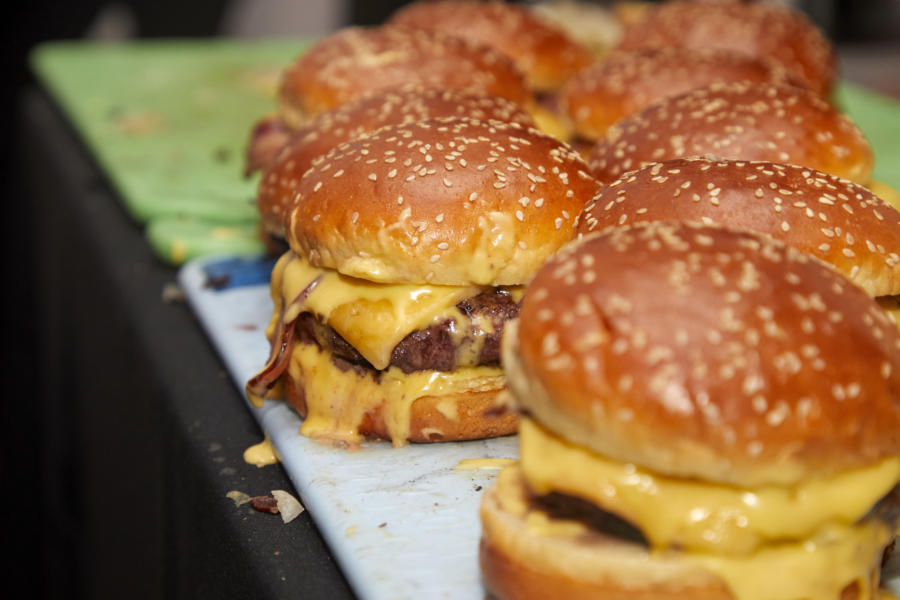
pixel 372 317
pixel 815 568
pixel 337 401
pixel 673 512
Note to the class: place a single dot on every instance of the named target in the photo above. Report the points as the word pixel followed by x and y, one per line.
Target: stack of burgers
pixel 677 287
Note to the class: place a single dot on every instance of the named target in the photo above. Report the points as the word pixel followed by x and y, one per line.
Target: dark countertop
pixel 132 432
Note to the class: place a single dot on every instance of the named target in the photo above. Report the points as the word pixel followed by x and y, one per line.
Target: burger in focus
pixel 409 250
pixel 706 413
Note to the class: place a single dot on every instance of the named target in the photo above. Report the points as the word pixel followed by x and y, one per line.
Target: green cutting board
pixel 169 121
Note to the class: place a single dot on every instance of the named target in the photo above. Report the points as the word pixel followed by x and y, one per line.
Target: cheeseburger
pixel 354 61
pixel 776 123
pixel 706 414
pixel 767 30
pixel 835 220
pixel 626 82
pixel 409 250
pixel 543 51
pixel 545 54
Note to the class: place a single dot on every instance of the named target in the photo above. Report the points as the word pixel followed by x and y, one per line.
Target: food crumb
pixel 264 504
pixel 289 507
pixel 239 498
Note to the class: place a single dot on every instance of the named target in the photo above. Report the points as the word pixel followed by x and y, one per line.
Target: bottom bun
pixel 348 405
pixel 525 555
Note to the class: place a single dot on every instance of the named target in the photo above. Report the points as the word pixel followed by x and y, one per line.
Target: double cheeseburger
pixel 706 414
pixel 409 250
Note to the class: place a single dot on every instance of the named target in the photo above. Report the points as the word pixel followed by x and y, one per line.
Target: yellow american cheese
pixel 372 317
pixel 338 400
pixel 817 567
pixel 700 515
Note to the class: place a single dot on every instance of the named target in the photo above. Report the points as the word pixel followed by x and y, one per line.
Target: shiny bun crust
pixel 359 117
pixel 707 353
pixel 354 60
pixel 476 416
pixel 763 30
pixel 545 53
pixel 518 565
pixel 833 219
pixel 627 81
pixel 446 201
pixel 782 124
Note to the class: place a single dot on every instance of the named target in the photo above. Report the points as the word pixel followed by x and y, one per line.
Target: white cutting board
pixel 401 522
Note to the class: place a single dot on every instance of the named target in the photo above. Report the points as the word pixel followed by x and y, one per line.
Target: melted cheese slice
pixel 700 515
pixel 372 317
pixel 337 401
pixel 815 568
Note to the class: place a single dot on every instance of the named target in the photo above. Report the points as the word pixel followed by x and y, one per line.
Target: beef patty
pixel 471 340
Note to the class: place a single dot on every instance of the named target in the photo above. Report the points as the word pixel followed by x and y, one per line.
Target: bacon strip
pixel 282 344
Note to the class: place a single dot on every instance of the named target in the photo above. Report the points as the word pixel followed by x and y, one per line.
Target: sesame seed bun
pixel 763 30
pixel 701 352
pixel 446 201
pixel 354 60
pixel 357 118
pixel 628 81
pixel 776 123
pixel 833 219
pixel 541 50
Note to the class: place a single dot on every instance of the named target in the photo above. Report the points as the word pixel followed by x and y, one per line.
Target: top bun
pixel 835 220
pixel 763 30
pixel 359 117
pixel 701 352
pixel 776 123
pixel 544 52
pixel 627 81
pixel 445 201
pixel 355 60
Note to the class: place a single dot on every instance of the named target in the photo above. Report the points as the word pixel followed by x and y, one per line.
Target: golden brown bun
pixel 763 30
pixel 359 117
pixel 628 81
pixel 477 416
pixel 833 219
pixel 517 565
pixel 355 60
pixel 545 53
pixel 445 201
pixel 783 124
pixel 697 351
